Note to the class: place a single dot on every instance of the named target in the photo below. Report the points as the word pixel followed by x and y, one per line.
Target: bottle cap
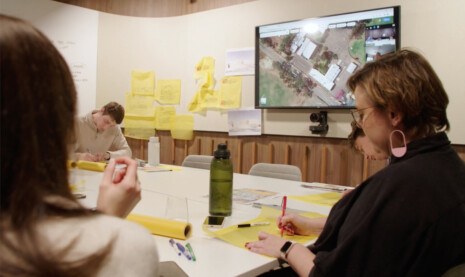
pixel 153 139
pixel 222 151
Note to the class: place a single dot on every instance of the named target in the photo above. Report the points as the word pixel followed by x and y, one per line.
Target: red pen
pixel 284 212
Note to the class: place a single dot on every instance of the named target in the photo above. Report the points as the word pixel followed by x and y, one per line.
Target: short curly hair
pixel 115 110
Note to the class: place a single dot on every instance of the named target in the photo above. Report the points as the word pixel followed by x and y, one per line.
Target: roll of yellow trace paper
pixel 163 227
pixel 95 166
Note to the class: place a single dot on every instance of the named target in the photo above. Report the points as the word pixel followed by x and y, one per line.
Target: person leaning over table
pixel 44 230
pixel 409 218
pixel 98 135
pixel 360 142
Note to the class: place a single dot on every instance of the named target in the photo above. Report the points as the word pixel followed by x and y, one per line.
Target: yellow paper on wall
pixel 139 122
pixel 168 91
pixel 142 82
pixel 163 116
pixel 209 99
pixel 139 105
pixel 139 133
pixel 206 64
pixel 321 199
pixel 195 104
pixel 230 92
pixel 163 227
pixel 239 236
pixel 182 127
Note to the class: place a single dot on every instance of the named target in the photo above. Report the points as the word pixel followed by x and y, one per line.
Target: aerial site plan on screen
pixel 306 63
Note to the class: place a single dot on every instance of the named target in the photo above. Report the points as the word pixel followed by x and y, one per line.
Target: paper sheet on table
pixel 142 82
pixel 168 91
pixel 239 236
pixel 163 227
pixel 321 199
pixel 182 127
pixel 163 117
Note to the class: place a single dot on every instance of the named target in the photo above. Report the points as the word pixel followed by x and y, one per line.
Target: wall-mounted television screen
pixel 306 63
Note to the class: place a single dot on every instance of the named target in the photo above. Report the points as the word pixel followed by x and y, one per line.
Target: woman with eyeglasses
pixel 409 218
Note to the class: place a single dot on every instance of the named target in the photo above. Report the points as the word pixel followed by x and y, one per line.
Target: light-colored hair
pixel 405 82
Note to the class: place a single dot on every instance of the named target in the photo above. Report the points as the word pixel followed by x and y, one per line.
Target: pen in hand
pixel 284 212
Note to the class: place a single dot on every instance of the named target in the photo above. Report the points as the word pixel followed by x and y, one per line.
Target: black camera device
pixel 322 119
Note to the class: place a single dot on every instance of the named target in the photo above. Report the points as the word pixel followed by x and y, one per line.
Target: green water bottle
pixel 221 182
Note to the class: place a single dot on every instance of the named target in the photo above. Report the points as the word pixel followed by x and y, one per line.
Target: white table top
pixel 191 185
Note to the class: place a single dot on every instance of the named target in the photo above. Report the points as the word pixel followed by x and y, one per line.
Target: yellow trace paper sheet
pixel 142 82
pixel 230 92
pixel 139 119
pixel 163 117
pixel 139 105
pixel 195 104
pixel 139 133
pixel 182 127
pixel 206 64
pixel 209 99
pixel 168 91
pixel 163 227
pixel 321 199
pixel 87 165
pixel 239 236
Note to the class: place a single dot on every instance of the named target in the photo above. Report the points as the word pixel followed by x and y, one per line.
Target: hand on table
pixel 267 244
pixel 119 195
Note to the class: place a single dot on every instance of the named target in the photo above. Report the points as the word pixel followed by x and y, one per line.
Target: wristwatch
pixel 286 249
pixel 109 156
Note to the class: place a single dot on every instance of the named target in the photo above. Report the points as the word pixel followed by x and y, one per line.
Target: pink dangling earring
pixel 399 152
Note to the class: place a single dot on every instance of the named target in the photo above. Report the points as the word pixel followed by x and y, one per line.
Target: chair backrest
pixel 198 161
pixel 279 171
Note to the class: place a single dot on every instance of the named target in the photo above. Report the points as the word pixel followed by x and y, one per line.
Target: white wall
pixel 73 30
pixel 173 46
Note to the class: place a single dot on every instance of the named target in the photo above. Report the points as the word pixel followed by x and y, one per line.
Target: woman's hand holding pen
pixel 300 225
pixel 118 195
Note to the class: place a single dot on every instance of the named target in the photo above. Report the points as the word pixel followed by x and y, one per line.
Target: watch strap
pixel 286 249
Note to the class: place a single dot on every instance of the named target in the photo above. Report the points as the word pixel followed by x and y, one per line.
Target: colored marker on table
pixel 174 247
pixel 191 251
pixel 183 251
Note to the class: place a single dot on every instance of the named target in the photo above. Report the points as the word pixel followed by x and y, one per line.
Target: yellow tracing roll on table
pixel 163 227
pixel 95 166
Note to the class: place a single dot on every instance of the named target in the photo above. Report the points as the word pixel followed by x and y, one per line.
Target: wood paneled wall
pixel 320 159
pixel 153 8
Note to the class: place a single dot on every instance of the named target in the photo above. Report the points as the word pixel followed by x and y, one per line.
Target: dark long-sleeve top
pixel 406 220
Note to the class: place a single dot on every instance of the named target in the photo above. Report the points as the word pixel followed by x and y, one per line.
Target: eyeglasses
pixel 358 118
